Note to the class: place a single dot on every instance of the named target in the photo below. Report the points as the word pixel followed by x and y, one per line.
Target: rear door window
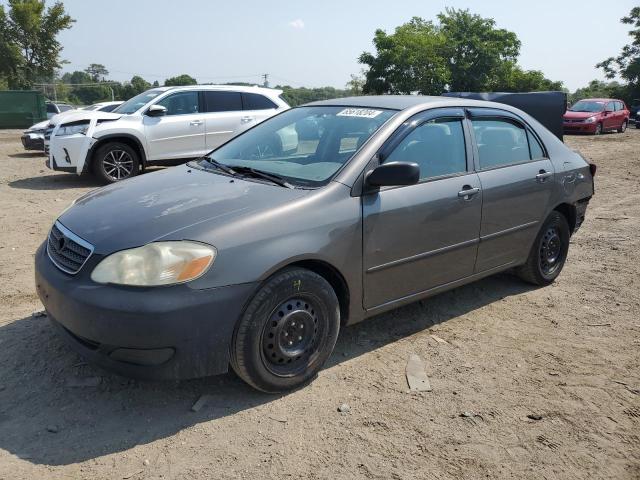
pixel 500 142
pixel 254 101
pixel 219 101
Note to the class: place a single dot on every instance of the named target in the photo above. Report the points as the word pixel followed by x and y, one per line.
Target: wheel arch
pixel 570 213
pixel 332 275
pixel 125 138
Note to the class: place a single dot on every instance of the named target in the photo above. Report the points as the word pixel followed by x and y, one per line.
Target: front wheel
pixel 287 331
pixel 598 129
pixel 623 127
pixel 115 161
pixel 549 251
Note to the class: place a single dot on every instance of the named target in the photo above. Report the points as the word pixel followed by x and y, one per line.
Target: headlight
pixel 158 263
pixel 590 120
pixel 73 128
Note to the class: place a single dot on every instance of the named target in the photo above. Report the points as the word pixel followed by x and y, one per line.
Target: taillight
pixel 592 169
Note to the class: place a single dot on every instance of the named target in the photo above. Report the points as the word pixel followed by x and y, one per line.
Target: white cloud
pixel 297 24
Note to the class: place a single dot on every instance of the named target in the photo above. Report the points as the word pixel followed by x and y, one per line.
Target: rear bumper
pixel 155 333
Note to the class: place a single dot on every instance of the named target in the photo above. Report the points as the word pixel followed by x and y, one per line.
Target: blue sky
pixel 317 43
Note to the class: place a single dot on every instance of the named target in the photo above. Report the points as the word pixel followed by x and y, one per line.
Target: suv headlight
pixel 155 264
pixel 73 128
pixel 590 120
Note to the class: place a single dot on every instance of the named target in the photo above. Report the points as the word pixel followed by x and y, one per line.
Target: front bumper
pixel 33 141
pixel 570 127
pixel 174 332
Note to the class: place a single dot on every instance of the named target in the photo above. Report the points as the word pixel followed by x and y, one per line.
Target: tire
pixel 115 161
pixel 598 129
pixel 623 127
pixel 549 251
pixel 273 348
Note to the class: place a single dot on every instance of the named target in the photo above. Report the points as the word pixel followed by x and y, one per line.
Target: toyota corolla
pixel 257 254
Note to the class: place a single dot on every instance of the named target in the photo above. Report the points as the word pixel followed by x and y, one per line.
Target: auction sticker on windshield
pixel 359 112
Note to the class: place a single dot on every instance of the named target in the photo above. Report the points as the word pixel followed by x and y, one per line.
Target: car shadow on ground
pixel 29 154
pixel 56 410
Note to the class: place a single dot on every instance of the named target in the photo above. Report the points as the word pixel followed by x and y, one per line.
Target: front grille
pixel 573 120
pixel 66 250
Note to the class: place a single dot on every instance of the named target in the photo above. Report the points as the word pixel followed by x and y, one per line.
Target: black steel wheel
pixel 287 331
pixel 115 161
pixel 549 251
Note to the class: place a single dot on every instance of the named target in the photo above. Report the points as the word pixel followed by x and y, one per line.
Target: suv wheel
pixel 115 161
pixel 549 251
pixel 287 331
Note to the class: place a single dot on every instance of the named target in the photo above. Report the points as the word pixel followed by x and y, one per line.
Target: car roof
pixel 600 99
pixel 403 102
pixel 235 88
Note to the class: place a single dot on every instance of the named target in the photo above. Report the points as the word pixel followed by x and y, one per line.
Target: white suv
pixel 160 125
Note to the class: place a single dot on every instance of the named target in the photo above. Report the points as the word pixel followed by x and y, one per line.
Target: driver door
pixel 419 237
pixel 181 132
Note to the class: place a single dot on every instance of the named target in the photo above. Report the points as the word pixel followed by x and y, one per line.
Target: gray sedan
pixel 257 254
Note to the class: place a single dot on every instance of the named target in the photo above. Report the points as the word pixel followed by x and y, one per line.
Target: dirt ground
pixel 568 355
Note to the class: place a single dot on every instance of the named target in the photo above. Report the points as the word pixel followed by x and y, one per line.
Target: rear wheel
pixel 549 251
pixel 116 161
pixel 287 331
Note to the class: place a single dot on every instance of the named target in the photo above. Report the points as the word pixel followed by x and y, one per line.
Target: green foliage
pixel 462 52
pixel 97 72
pixel 299 96
pixel 29 50
pixel 600 89
pixel 180 80
pixel 627 63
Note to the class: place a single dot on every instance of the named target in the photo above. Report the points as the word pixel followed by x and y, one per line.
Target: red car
pixel 596 115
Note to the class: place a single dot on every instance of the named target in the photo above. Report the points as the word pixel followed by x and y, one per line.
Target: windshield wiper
pixel 220 166
pixel 267 176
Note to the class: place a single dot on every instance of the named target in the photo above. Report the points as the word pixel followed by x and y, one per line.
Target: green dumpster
pixel 21 108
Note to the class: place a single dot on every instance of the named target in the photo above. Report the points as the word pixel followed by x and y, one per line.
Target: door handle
pixel 247 119
pixel 468 192
pixel 543 175
pixel 195 123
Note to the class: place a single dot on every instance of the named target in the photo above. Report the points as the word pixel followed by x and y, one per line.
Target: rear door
pixel 179 133
pixel 223 119
pixel 257 108
pixel 418 237
pixel 517 182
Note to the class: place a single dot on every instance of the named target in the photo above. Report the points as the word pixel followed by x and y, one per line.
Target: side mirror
pixel 156 111
pixel 393 174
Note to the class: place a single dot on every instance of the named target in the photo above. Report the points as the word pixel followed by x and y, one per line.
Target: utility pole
pixel 265 78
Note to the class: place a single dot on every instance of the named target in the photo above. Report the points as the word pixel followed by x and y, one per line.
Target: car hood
pixel 162 204
pixel 579 115
pixel 79 115
pixel 39 126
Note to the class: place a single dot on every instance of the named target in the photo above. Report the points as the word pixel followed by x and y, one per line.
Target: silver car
pixel 257 254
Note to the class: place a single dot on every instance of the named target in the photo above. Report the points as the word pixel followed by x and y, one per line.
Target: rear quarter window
pixel 254 101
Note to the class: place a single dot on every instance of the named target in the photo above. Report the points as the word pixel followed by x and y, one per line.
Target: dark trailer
pixel 546 107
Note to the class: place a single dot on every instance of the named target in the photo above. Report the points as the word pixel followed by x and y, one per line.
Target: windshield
pixel 587 106
pixel 91 107
pixel 306 145
pixel 136 103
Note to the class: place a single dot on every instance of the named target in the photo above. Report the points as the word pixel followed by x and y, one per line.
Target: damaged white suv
pixel 161 125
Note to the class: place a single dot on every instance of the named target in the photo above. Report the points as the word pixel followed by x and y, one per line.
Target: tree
pixel 97 72
pixel 180 80
pixel 627 64
pixel 29 49
pixel 462 52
